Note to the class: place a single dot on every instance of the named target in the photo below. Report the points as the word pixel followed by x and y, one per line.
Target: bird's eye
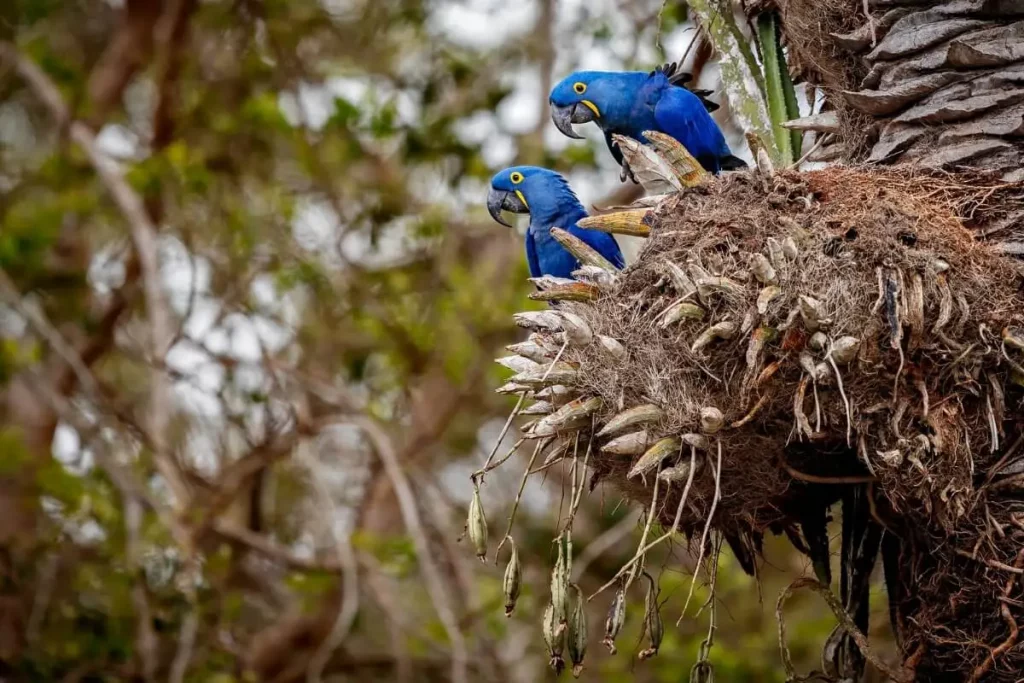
pixel 516 177
pixel 579 88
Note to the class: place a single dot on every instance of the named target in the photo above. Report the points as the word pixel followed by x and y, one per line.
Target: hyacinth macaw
pixel 630 102
pixel 551 203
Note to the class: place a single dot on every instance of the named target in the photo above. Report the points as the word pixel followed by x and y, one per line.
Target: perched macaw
pixel 631 102
pixel 551 203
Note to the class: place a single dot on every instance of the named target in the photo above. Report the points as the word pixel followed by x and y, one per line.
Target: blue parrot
pixel 630 102
pixel 551 203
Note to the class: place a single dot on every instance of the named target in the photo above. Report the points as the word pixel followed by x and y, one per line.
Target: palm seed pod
pixel 654 455
pixel 558 373
pixel 723 330
pixel 538 408
pixel 680 280
pixel 686 167
pixel 571 291
pixel 513 580
pixel 583 252
pixel 698 441
pixel 635 222
pixel 517 363
pixel 572 415
pixel 476 525
pixel 557 395
pixel 512 388
pixel 616 618
pixel 675 473
pixel 711 420
pixel 532 351
pixel 844 350
pixel 763 270
pixel 612 347
pixel 627 444
pixel 630 418
pixel 548 321
pixel 679 311
pixel 577 635
pixel 596 276
pixel 766 296
pixel 652 619
pixel 811 311
pixel 709 286
pixel 776 252
pixel 790 249
pixel 577 331
pixel 818 341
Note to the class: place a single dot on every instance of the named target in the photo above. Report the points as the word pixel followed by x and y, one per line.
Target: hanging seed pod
pixel 698 441
pixel 709 286
pixel 675 473
pixel 680 280
pixel 818 341
pixel 711 420
pixel 583 252
pixel 612 347
pixel 811 311
pixel 476 525
pixel 513 580
pixel 790 249
pixel 635 222
pixel 653 456
pixel 560 589
pixel 596 276
pixel 723 330
pixel 763 270
pixel 571 291
pixel 616 618
pixel 627 444
pixel 822 373
pixel 554 638
pixel 776 252
pixel 548 321
pixel 1014 337
pixel 577 331
pixel 766 296
pixel 517 363
pixel 652 619
pixel 844 350
pixel 630 418
pixel 577 633
pixel 572 415
pixel 531 351
pixel 679 311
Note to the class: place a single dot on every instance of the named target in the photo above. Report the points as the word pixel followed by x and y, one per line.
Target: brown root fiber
pixel 880 359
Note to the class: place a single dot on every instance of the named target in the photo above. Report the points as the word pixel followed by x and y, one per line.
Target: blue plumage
pixel 631 102
pixel 551 203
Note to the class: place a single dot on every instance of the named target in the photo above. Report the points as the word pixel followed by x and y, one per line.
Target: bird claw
pixel 626 172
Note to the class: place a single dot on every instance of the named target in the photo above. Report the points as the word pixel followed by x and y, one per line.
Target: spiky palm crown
pixel 790 342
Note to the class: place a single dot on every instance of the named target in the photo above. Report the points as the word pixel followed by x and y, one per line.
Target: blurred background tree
pixel 250 306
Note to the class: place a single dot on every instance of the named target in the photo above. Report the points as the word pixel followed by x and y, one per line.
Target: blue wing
pixel 531 256
pixel 679 113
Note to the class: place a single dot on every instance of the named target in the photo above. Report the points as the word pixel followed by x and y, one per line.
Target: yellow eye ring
pixel 516 177
pixel 579 88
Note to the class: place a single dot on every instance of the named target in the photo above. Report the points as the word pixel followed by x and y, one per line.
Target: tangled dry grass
pixel 856 339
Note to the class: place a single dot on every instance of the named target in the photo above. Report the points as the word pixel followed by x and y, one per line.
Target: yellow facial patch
pixel 593 107
pixel 522 199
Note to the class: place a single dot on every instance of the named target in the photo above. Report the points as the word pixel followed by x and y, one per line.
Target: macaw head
pixel 520 189
pixel 586 96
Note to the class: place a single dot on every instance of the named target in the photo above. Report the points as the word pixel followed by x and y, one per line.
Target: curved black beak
pixel 498 200
pixel 565 116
